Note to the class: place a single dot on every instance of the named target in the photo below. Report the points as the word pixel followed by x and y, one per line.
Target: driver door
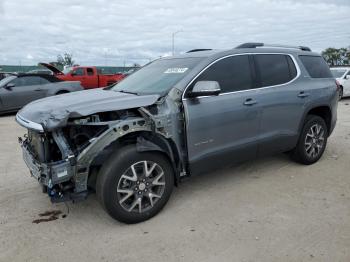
pixel 223 129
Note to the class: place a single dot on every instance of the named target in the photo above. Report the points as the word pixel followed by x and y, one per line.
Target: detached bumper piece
pixel 68 196
pixel 55 176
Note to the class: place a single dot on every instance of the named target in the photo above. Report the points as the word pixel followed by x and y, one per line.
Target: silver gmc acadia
pixel 176 117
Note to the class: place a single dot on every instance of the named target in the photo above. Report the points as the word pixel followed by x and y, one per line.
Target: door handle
pixel 37 89
pixel 249 102
pixel 302 94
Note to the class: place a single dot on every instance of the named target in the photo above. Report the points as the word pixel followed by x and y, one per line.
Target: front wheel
pixel 134 186
pixel 341 93
pixel 312 141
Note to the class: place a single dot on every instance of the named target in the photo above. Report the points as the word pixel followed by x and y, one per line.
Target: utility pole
pixel 173 41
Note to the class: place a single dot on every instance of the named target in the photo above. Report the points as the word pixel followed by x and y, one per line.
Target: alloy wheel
pixel 314 141
pixel 141 186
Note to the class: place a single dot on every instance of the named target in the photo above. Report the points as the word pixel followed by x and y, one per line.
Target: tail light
pixel 338 85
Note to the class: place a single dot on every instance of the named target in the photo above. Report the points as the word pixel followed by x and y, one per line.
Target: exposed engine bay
pixel 81 132
pixel 65 159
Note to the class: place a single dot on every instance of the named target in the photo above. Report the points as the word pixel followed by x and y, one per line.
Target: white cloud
pixel 98 32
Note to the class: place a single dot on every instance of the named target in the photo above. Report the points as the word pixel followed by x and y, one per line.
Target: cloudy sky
pixel 113 32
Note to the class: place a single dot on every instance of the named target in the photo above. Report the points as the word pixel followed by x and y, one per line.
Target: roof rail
pixel 255 45
pixel 198 50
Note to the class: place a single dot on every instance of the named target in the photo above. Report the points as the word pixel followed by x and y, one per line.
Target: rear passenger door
pixel 223 129
pixel 281 100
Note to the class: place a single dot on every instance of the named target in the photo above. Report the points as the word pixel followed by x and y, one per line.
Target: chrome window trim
pixel 247 90
pixel 29 124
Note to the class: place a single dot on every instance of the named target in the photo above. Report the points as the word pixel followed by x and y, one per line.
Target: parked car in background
pixel 3 75
pixel 342 74
pixel 89 76
pixel 17 91
pixel 177 117
pixel 41 72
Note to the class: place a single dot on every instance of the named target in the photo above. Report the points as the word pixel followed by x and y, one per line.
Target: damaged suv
pixel 175 117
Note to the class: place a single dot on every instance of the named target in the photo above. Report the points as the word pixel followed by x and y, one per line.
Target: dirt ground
pixel 270 209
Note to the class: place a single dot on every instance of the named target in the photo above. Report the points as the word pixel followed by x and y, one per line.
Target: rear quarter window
pixel 275 69
pixel 316 66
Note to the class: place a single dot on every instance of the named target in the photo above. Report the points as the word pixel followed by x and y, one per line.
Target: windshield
pixel 158 77
pixel 338 73
pixel 7 80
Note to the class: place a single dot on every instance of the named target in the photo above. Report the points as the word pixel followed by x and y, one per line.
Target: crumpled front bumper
pixel 48 174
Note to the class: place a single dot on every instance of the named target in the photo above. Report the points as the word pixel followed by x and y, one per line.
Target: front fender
pixel 98 144
pixel 113 133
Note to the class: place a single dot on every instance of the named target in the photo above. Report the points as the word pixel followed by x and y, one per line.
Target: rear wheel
pixel 134 186
pixel 312 141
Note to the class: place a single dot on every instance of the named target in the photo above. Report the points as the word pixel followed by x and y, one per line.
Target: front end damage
pixel 62 159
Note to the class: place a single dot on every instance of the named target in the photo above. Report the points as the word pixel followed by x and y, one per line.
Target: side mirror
pixel 347 77
pixel 205 88
pixel 9 86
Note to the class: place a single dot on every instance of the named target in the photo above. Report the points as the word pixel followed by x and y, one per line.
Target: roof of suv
pixel 258 49
pixel 208 56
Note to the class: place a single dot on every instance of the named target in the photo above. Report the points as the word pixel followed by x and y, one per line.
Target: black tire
pixel 341 93
pixel 111 177
pixel 62 92
pixel 301 153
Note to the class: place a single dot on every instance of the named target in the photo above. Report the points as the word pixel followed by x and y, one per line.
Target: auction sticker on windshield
pixel 176 70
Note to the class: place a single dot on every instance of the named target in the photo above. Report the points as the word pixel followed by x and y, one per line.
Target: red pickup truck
pixel 89 76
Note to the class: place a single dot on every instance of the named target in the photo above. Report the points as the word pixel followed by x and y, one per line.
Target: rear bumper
pixel 334 111
pixel 333 123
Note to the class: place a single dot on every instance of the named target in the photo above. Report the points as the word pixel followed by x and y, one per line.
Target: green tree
pixel 343 52
pixel 332 56
pixel 337 56
pixel 65 60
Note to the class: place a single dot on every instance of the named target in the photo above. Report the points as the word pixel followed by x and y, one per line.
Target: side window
pixel 292 68
pixel 275 69
pixel 27 81
pixel 90 71
pixel 44 81
pixel 232 73
pixel 18 81
pixel 79 72
pixel 316 66
pixel 32 80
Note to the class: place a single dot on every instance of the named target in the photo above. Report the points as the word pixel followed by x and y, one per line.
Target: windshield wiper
pixel 127 92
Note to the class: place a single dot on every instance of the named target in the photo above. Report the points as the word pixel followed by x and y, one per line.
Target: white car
pixel 342 74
